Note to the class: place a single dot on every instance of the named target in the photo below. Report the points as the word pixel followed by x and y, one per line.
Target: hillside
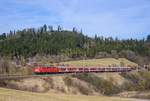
pixel 15 95
pixel 101 62
pixel 47 41
pixel 85 84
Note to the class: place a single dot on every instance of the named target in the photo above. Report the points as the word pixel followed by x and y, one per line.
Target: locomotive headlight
pixel 36 70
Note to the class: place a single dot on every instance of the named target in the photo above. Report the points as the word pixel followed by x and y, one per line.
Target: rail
pixel 9 77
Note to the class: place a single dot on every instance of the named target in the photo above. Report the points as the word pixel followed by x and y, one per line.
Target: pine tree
pixel 50 28
pixel 45 28
pixel 148 38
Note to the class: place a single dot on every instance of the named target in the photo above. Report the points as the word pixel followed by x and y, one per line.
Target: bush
pixel 139 81
pixel 103 86
pixel 84 89
pixel 6 67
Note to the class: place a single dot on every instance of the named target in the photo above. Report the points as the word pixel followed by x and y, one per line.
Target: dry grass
pixel 14 95
pixel 116 78
pixel 101 62
pixel 135 94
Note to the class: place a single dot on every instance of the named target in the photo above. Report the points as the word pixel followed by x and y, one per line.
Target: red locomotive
pixel 57 69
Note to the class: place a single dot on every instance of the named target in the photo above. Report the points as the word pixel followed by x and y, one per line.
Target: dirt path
pixel 141 99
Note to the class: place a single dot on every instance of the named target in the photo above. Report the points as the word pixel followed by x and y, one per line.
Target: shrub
pixel 100 85
pixel 84 89
pixel 139 81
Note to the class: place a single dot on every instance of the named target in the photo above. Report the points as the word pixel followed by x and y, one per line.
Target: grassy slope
pixel 101 62
pixel 15 95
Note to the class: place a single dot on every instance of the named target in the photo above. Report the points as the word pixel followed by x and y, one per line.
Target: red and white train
pixel 59 69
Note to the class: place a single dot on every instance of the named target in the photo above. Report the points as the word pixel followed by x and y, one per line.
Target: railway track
pixel 7 77
pixel 16 77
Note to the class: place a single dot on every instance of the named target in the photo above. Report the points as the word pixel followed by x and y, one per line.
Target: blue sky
pixel 117 18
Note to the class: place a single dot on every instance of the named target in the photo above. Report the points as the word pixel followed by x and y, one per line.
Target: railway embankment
pixel 108 84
